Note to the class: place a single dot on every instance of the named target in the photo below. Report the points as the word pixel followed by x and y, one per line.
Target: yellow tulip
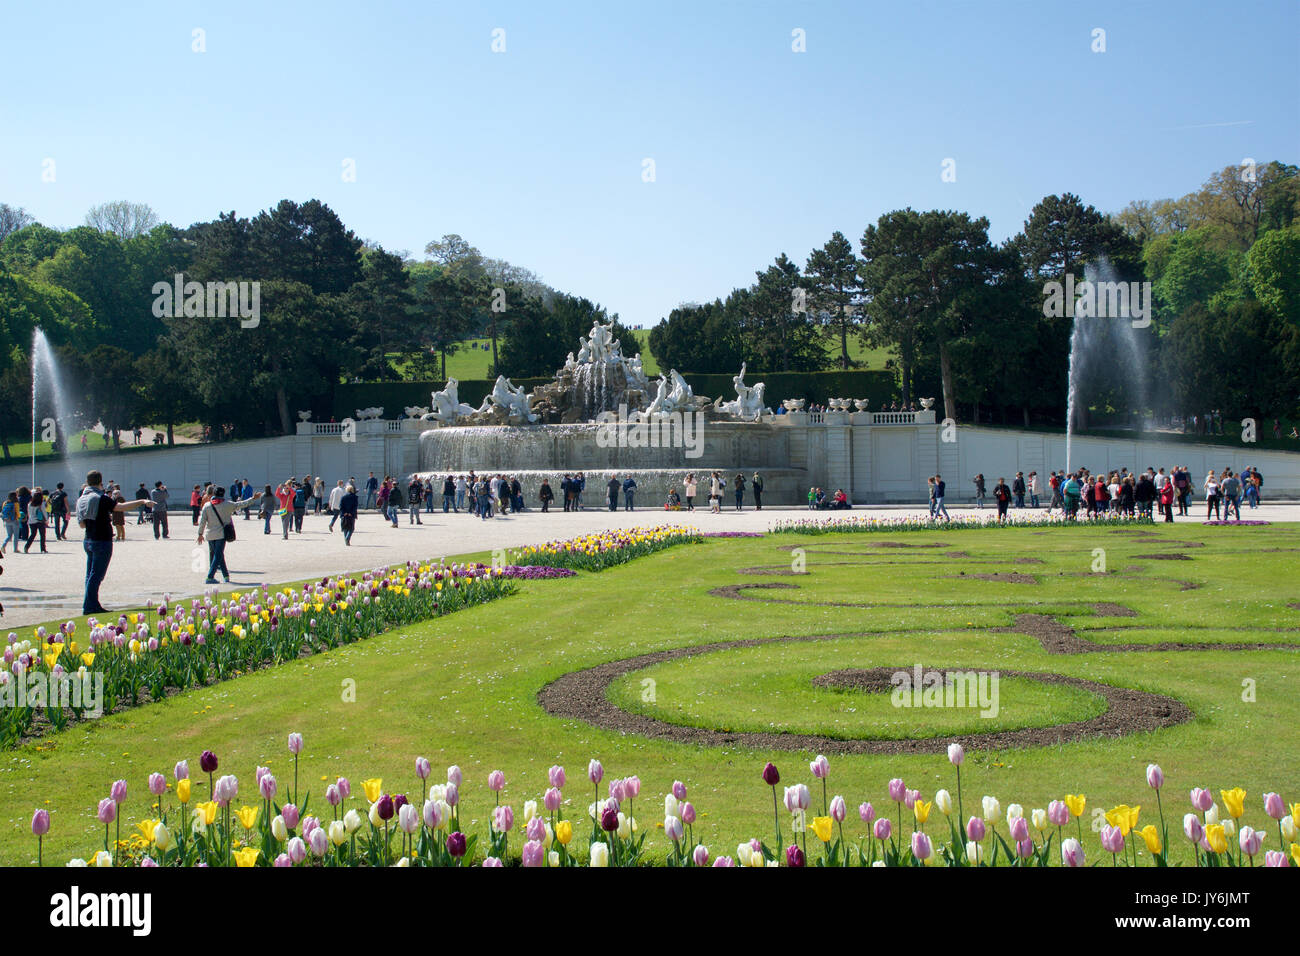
pixel 1234 800
pixel 246 857
pixel 373 788
pixel 183 790
pixel 1077 802
pixel 1295 813
pixel 920 808
pixel 146 828
pixel 1215 838
pixel 248 816
pixel 1124 817
pixel 1151 837
pixel 1295 853
pixel 564 832
pixel 209 811
pixel 88 658
pixel 822 826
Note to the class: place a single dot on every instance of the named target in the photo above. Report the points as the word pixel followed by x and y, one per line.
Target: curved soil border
pixel 1058 638
pixel 583 695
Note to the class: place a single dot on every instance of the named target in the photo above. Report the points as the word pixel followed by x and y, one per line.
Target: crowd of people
pixel 1156 491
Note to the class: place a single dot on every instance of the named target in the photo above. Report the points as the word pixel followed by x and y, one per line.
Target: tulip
pixel 1289 830
pixel 897 790
pixel 107 812
pixel 921 810
pixel 552 799
pixel 1058 813
pixel 297 850
pixel 503 818
pixel 821 826
pixel 1039 819
pixel 679 790
pixel 609 819
pixel 422 768
pixel 564 832
pixel 992 809
pixel 530 809
pixel 1202 799
pixel 162 837
pixel 910 797
pixel 921 846
pixel 975 829
pixel 687 813
pixel 41 823
pixel 408 818
pixel 1155 776
pixel 866 812
pixel 700 855
pixel 943 800
pixel 556 776
pixel 295 744
pixel 724 861
pixel 820 767
pixel 102 859
pixel 595 772
pixel 291 815
pixel 182 770
pixel 1212 815
pixel 282 861
pixel 1151 837
pixel 838 809
pixel 157 784
pixel 534 854
pixel 492 862
pixel 882 829
pixel 1192 827
pixel 1071 852
pixel 599 854
pixel 1273 806
pixel 1112 838
pixel 266 786
pixel 1019 827
pixel 279 829
pixel 794 856
pixel 956 755
pixel 332 795
pixel 1275 858
pixel 352 821
pixel 372 788
pixel 1216 838
pixel 384 807
pixel 1250 839
pixel 431 815
pixel 456 844
pixel 496 781
pixel 632 787
pixel 319 842
pixel 208 762
pixel 118 791
pixel 974 853
pixel 454 775
pixel 345 788
pixel 673 828
pixel 797 798
pixel 1124 817
pixel 1234 800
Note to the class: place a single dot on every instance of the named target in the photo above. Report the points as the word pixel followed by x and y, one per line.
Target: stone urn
pixel 304 416
pixel 927 403
pixel 861 403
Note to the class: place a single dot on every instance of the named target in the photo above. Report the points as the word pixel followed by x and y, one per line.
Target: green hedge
pixel 875 384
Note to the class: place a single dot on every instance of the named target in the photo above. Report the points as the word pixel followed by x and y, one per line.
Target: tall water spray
pixel 1111 337
pixel 46 379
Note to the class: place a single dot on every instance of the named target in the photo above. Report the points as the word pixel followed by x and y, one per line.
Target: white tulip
pixel 974 852
pixel 278 829
pixel 1212 814
pixel 352 821
pixel 338 833
pixel 102 859
pixel 943 800
pixel 530 810
pixel 599 854
pixel 553 858
pixel 1014 812
pixel 76 861
pixel 992 809
pixel 162 837
pixel 671 807
pixel 1039 819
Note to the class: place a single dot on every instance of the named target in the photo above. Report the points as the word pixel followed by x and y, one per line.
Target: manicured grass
pixel 464 689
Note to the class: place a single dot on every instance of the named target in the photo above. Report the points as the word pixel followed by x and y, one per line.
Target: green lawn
pixel 464 689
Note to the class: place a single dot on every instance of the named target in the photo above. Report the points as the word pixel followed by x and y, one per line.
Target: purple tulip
pixel 422 768
pixel 297 850
pixel 1192 828
pixel 595 772
pixel 866 812
pixel 399 801
pixel 384 807
pixel 267 787
pixel 452 796
pixel 838 809
pixel 118 791
pixel 724 861
pixel 1112 838
pixel 975 829
pixel 897 790
pixel 208 762
pixel 771 776
pixel 820 767
pixel 688 812
pixel 1019 829
pixel 617 791
pixel 295 744
pixel 504 819
pixel 492 861
pixel 883 829
pixel 456 844
pixel 552 799
pixel 291 815
pixel 679 790
pixel 609 820
pixel 1273 806
pixel 496 781
pixel 182 770
pixel 921 847
pixel 454 775
pixel 107 812
pixel 157 784
pixel 1202 799
pixel 794 856
pixel 332 795
pixel 1155 776
pixel 534 854
pixel 556 775
pixel 345 788
pixel 1058 813
pixel 1025 848
pixel 700 855
pixel 40 823
pixel 535 829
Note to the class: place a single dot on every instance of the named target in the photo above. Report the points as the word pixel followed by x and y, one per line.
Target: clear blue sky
pixel 535 154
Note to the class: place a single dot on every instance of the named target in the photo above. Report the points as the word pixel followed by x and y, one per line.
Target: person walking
pixel 348 513
pixel 738 486
pixel 58 508
pixel 414 495
pixel 756 485
pixel 1231 495
pixel 37 518
pixel 9 515
pixel 715 493
pixel 372 487
pixel 196 502
pixel 216 527
pixel 1033 489
pixel 691 487
pixel 140 493
pixel 336 495
pixel 1002 496
pixel 95 511
pixel 979 491
pixel 1018 489
pixel 612 492
pixel 159 496
pixel 266 508
pixel 483 492
pixel 24 497
pixel 1211 487
pixel 450 497
pixel 940 486
pixel 545 495
pixel 629 491
pixel 394 499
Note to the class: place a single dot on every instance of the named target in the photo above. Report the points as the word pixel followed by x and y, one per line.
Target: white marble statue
pixel 447 406
pixel 375 411
pixel 748 405
pixel 512 401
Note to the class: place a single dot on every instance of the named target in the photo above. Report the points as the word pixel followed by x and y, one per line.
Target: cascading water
pixel 47 382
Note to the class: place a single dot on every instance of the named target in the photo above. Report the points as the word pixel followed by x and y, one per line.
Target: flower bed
pixel 535 571
pixel 382 827
pixel 177 646
pixel 857 523
pixel 604 549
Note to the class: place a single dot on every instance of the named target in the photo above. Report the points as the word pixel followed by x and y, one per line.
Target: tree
pixel 774 334
pixel 107 374
pixel 442 309
pixel 1194 266
pixel 540 337
pixel 701 338
pixel 381 304
pixel 832 273
pixel 12 219
pixel 1275 272
pixel 126 220
pixel 166 389
pixel 1061 235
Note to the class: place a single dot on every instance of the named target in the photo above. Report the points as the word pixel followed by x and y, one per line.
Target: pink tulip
pixel 1155 776
pixel 297 850
pixel 838 809
pixel 432 814
pixel 1112 838
pixel 921 847
pixel 534 853
pixel 673 828
pixel 295 744
pixel 1025 848
pixel 496 781
pixel 408 818
pixel 318 841
pixel 453 794
pixel 118 791
pixel 282 861
pixel 1071 852
pixel 975 829
pixel 688 812
pixel 107 812
pixel 1192 828
pixel 595 771
pixel 267 787
pixel 724 861
pixel 503 818
pixel 910 797
pixel 552 799
pixel 1202 799
pixel 679 790
pixel 897 790
pixel 291 815
pixel 820 767
pixel 1273 806
pixel 492 862
pixel 345 788
pixel 453 776
pixel 157 784
pixel 617 791
pixel 1275 858
pixel 40 823
pixel 883 829
pixel 182 770
pixel 866 812
pixel 332 795
pixel 956 754
pixel 700 855
pixel 556 776
pixel 1250 840
pixel 1019 829
pixel 632 787
pixel 536 829
pixel 422 768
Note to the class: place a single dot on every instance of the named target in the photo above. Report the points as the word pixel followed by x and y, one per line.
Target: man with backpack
pixel 58 502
